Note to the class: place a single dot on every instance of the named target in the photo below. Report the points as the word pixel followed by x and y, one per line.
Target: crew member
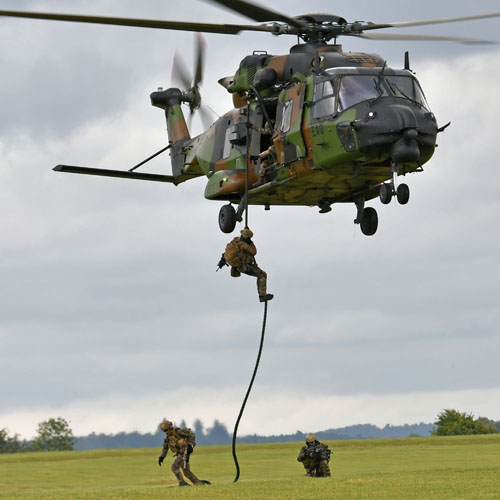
pixel 181 442
pixel 240 255
pixel 267 165
pixel 315 457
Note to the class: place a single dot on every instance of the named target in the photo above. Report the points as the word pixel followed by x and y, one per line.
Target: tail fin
pixel 170 100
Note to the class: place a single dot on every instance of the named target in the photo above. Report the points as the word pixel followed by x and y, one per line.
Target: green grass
pixel 415 468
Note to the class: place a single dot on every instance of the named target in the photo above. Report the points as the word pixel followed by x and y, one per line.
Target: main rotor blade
pixel 425 22
pixel 227 29
pixel 259 13
pixel 424 38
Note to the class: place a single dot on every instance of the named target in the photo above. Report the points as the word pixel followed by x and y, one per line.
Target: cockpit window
pixel 324 99
pixel 407 87
pixel 358 88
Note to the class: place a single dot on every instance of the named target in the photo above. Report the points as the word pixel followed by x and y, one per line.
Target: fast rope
pixel 242 409
pixel 248 393
pixel 248 125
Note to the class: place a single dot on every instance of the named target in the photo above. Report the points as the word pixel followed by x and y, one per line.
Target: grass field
pixel 414 468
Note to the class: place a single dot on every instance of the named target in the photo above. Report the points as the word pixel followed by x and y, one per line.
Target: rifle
pixel 222 263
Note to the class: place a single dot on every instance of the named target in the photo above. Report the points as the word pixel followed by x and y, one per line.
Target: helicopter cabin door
pixel 288 140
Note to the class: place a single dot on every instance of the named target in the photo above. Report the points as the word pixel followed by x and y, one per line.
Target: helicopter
pixel 314 127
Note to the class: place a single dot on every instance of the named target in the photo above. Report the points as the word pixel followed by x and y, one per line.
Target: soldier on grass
pixel 181 442
pixel 315 457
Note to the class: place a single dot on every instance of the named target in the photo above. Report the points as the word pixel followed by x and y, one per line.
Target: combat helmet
pixel 166 425
pixel 246 233
pixel 310 438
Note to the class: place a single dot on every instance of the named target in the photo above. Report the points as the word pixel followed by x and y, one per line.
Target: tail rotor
pixel 191 85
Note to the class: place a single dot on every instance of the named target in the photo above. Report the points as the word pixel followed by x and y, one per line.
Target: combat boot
pixel 266 298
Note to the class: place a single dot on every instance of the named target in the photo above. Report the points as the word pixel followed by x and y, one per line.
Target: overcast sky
pixel 111 313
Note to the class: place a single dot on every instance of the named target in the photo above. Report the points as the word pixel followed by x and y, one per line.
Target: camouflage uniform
pixel 247 264
pixel 267 165
pixel 181 442
pixel 315 457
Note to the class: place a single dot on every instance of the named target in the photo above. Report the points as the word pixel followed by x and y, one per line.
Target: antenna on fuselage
pixel 407 61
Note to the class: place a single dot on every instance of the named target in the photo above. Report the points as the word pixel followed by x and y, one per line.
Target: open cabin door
pixel 288 140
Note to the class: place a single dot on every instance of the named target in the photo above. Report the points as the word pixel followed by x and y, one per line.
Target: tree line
pixel 55 434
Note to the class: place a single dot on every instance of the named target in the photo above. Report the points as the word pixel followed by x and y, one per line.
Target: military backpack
pixel 232 254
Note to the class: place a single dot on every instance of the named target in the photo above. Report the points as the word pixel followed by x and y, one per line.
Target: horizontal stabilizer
pixel 115 173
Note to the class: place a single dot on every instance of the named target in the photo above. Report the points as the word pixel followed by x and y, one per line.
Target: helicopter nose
pixel 394 129
pixel 406 149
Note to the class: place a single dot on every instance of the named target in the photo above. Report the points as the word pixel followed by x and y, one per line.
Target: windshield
pixel 340 93
pixel 407 87
pixel 354 89
pixel 324 99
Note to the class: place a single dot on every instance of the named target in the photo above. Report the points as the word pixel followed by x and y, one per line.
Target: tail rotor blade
pixel 200 60
pixel 206 116
pixel 180 74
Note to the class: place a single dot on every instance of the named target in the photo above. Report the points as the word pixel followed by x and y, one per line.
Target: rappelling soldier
pixel 240 255
pixel 315 457
pixel 181 442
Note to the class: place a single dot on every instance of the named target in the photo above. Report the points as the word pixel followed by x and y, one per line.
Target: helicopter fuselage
pixel 337 134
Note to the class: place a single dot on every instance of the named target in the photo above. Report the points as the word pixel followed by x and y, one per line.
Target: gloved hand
pixel 160 460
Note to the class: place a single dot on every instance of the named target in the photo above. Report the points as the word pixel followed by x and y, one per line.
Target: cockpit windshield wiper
pixel 378 86
pixel 395 88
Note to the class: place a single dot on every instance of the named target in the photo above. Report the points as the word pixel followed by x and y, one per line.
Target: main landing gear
pixel 367 217
pixel 228 216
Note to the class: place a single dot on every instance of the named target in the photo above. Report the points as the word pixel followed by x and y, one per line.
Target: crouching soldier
pixel 315 457
pixel 181 442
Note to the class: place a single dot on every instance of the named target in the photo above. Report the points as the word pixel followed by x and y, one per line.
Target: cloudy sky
pixel 111 313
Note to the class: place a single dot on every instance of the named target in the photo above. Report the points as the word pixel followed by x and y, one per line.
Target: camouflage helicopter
pixel 314 127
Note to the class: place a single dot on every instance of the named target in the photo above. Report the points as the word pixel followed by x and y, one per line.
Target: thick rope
pixel 247 162
pixel 248 393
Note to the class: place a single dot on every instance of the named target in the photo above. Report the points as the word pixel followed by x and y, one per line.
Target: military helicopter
pixel 315 127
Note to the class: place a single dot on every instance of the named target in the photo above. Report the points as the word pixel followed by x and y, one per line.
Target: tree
pixel 198 428
pixel 217 434
pixel 490 423
pixel 10 444
pixel 453 423
pixel 54 434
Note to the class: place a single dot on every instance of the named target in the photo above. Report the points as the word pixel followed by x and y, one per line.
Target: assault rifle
pixel 222 263
pixel 318 452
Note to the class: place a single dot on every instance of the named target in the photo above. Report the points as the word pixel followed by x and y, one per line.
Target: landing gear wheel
pixel 227 218
pixel 403 194
pixel 369 221
pixel 386 193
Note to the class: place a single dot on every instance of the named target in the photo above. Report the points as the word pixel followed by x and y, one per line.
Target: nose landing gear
pixel 387 191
